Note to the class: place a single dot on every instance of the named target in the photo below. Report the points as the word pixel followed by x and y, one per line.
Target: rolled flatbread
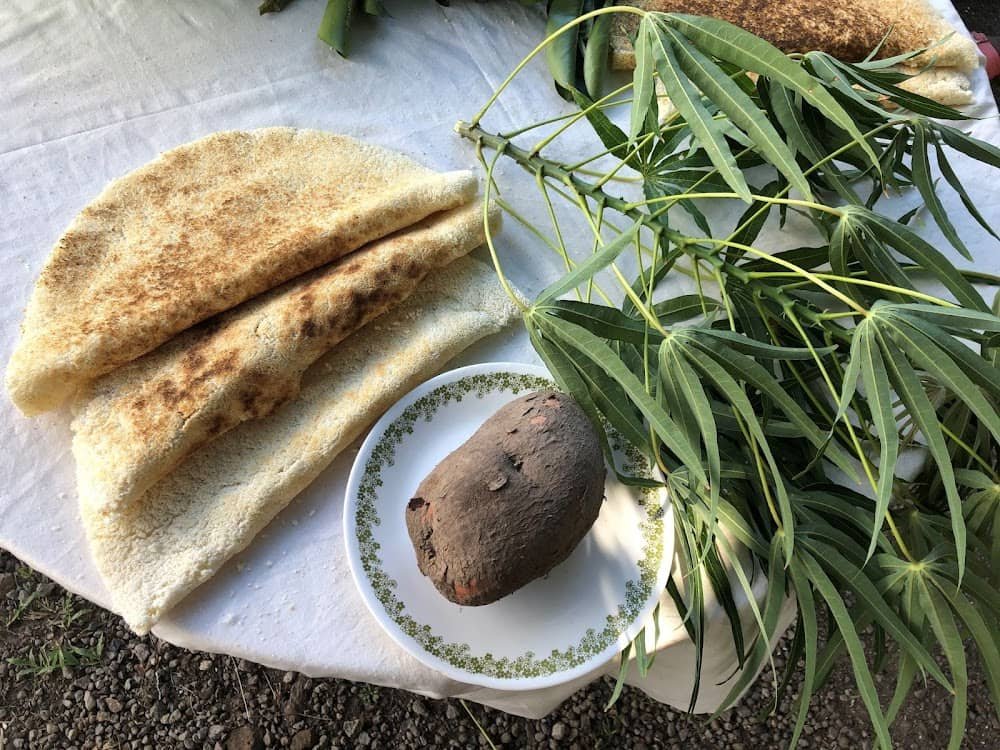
pixel 198 231
pixel 133 425
pixel 847 30
pixel 154 551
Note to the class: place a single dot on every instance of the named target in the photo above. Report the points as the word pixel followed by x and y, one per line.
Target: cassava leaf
pixel 561 52
pixel 923 180
pixel 687 100
pixel 595 56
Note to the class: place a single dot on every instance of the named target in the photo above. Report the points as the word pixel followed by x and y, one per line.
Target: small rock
pixel 419 707
pixel 141 651
pixel 244 738
pixel 288 678
pixel 204 665
pixel 88 701
pixel 558 731
pixel 364 740
pixel 215 731
pixel 302 740
pixel 114 705
pixel 7 583
pixel 351 726
pixel 451 712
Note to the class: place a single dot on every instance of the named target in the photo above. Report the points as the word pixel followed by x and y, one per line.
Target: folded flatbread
pixel 133 425
pixel 201 229
pixel 848 30
pixel 155 550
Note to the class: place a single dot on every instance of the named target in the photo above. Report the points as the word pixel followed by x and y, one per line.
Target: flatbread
pixel 133 425
pixel 156 550
pixel 847 30
pixel 201 229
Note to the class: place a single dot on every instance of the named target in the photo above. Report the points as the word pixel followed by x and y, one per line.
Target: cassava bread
pixel 133 425
pixel 201 229
pixel 510 503
pixel 155 550
pixel 847 30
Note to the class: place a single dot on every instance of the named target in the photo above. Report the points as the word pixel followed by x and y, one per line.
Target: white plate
pixel 554 629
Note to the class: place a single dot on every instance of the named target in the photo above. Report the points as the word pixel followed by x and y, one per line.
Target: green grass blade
pixel 921 166
pixel 707 131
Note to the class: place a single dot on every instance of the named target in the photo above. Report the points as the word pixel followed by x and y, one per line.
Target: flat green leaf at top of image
pixel 561 52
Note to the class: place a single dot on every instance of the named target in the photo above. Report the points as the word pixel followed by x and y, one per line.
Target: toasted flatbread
pixel 198 231
pixel 133 425
pixel 154 551
pixel 847 30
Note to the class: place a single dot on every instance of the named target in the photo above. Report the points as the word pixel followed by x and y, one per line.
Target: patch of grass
pixel 56 657
pixel 22 607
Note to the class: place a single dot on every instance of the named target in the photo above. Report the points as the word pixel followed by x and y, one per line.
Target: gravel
pixel 143 693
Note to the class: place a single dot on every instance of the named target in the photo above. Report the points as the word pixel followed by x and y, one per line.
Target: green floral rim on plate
pixel 459 655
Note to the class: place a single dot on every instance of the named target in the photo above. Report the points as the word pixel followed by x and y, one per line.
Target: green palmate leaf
pixel 611 135
pixel 335 27
pixel 747 369
pixel 684 307
pixel 739 47
pixel 856 580
pixel 953 319
pixel 873 374
pixel 752 221
pixel 687 100
pixel 643 95
pixel 560 53
pixel 589 346
pixel 789 115
pixel 727 386
pixel 849 635
pixel 595 57
pixel 590 267
pixel 956 184
pixel 904 240
pixel 922 179
pixel 918 406
pixel 607 322
pixel 742 111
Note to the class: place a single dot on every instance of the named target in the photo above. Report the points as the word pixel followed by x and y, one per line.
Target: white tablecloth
pixel 90 90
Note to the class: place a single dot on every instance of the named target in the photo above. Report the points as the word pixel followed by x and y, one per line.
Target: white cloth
pixel 90 90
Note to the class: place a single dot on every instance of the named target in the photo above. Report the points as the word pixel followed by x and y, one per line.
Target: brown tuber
pixel 510 503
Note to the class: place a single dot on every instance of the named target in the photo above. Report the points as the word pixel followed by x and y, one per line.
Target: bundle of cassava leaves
pixel 785 374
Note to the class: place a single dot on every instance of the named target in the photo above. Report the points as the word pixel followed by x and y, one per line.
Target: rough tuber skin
pixel 511 503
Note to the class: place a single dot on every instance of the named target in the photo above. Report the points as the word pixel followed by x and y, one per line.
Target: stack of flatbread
pixel 846 29
pixel 225 320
